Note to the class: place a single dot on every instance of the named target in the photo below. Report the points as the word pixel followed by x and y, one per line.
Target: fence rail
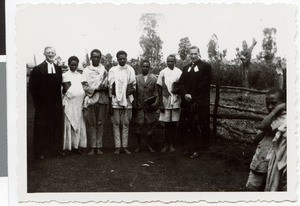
pixel 241 89
pixel 241 109
pixel 249 116
pixel 237 116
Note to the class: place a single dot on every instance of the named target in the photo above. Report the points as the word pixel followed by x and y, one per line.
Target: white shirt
pixel 168 76
pixel 51 69
pixel 122 76
pixel 145 78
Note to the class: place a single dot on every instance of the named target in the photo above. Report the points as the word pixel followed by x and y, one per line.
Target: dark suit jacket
pixel 196 83
pixel 144 89
pixel 45 90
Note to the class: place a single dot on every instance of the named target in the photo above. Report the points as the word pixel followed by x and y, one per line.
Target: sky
pixel 77 29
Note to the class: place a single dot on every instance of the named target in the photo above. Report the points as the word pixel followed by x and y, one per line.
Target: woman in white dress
pixel 74 125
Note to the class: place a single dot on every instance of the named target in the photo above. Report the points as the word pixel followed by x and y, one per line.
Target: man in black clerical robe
pixel 45 88
pixel 195 90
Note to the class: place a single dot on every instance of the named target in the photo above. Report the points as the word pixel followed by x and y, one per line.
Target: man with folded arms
pixel 122 84
pixel 96 103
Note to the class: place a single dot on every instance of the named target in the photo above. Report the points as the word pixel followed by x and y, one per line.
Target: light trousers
pixel 95 116
pixel 120 120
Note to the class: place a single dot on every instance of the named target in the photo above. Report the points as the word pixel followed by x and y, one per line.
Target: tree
pixel 224 53
pixel 184 45
pixel 134 63
pixel 58 60
pixel 269 46
pixel 150 41
pixel 107 61
pixel 214 55
pixel 245 56
pixel 87 60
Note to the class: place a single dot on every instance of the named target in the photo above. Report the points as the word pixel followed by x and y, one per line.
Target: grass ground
pixel 223 168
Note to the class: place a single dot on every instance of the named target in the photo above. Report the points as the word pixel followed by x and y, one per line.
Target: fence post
pixel 217 99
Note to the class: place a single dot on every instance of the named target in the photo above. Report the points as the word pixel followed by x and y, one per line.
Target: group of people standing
pixel 71 108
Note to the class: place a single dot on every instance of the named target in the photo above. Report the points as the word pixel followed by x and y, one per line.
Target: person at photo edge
pixel 122 85
pixel 45 88
pixel 195 92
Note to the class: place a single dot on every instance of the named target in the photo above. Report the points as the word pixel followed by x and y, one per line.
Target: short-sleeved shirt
pixel 166 79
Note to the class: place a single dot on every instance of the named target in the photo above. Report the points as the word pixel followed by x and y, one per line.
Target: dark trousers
pixel 170 133
pixel 48 130
pixel 194 128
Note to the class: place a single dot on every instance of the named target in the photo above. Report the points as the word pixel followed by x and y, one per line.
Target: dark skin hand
pixel 66 86
pixel 275 106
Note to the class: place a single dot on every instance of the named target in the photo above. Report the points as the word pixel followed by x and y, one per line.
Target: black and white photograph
pixel 124 101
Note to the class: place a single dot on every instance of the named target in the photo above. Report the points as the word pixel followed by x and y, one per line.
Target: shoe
pixel 151 150
pixel 41 157
pixel 126 151
pixel 137 150
pixel 163 150
pixel 194 155
pixel 77 151
pixel 172 149
pixel 91 152
pixel 117 152
pixel 99 152
pixel 63 154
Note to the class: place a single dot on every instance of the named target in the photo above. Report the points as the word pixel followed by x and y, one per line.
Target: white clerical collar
pixel 195 68
pixel 51 69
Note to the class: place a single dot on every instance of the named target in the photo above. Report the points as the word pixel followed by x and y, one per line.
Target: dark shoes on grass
pixel 194 155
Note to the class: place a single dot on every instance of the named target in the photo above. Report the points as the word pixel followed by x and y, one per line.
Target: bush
pixel 261 75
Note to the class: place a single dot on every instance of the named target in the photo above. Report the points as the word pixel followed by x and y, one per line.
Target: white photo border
pixel 17 142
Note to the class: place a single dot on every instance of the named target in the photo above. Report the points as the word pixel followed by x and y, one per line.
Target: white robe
pixel 94 77
pixel 121 76
pixel 74 126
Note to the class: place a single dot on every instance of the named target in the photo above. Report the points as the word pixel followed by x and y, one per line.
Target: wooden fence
pixel 248 113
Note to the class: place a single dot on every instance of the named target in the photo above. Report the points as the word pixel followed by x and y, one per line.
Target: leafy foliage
pixel 107 61
pixel 150 42
pixel 184 45
pixel 269 44
pixel 214 54
pixel 261 75
pixel 213 48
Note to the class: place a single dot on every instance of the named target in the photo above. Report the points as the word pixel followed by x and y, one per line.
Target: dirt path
pixel 224 168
